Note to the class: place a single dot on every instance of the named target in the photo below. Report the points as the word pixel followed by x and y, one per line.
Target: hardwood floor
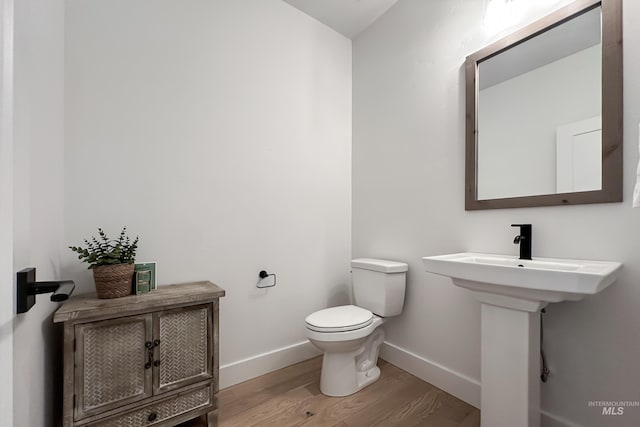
pixel 291 397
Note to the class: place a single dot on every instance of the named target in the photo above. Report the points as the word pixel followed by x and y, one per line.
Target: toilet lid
pixel 339 319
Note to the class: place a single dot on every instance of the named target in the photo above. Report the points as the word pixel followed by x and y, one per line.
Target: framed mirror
pixel 544 112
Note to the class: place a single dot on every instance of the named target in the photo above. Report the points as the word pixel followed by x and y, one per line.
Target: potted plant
pixel 112 262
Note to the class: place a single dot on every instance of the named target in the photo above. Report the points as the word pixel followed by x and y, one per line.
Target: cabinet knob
pixel 152 416
pixel 156 363
pixel 156 343
pixel 147 365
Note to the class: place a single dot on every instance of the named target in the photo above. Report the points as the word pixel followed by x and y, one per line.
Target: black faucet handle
pixel 524 239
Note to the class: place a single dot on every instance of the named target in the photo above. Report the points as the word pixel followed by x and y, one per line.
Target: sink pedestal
pixel 510 365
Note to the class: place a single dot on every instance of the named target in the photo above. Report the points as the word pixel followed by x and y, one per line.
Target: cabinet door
pixel 184 352
pixel 110 360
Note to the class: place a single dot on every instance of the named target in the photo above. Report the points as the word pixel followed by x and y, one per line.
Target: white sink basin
pixel 540 279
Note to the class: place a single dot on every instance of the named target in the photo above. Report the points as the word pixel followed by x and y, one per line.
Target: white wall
pixel 6 208
pixel 38 206
pixel 408 202
pixel 517 123
pixel 220 132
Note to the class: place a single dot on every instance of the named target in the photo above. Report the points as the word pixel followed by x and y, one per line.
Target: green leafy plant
pixel 104 251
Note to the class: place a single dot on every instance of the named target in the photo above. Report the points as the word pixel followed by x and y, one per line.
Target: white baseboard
pixel 549 420
pixel 454 383
pixel 246 369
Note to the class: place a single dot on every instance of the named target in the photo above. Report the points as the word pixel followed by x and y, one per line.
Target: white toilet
pixel 350 336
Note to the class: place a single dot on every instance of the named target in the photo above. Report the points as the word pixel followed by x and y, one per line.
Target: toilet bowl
pixel 350 336
pixel 350 355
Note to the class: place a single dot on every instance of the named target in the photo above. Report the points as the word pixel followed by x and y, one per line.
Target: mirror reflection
pixel 539 114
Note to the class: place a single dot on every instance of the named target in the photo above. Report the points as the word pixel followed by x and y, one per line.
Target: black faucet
pixel 524 239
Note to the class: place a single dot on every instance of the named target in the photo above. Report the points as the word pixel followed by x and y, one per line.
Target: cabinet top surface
pixel 87 306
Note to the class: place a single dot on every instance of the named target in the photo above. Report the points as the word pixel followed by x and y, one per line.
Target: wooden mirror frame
pixel 612 109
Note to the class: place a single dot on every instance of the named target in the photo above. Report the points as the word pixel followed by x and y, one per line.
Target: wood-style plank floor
pixel 291 397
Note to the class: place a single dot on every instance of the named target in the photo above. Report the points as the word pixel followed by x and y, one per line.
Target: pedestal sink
pixel 512 292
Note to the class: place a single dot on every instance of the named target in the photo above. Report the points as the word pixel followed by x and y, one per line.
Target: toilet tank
pixel 378 285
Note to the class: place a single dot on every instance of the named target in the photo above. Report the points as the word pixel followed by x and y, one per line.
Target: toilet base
pixel 345 373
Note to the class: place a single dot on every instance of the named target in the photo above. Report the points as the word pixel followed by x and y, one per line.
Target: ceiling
pixel 348 17
pixel 572 36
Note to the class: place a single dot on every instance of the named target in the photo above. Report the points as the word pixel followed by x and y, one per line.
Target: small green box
pixel 143 281
pixel 149 267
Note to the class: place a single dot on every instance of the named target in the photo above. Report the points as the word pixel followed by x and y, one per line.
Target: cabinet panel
pixel 185 348
pixel 161 411
pixel 110 362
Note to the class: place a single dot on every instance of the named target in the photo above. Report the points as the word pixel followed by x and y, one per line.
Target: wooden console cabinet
pixel 141 360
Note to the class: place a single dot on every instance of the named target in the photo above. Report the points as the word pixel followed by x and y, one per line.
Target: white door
pixel 579 156
pixel 6 212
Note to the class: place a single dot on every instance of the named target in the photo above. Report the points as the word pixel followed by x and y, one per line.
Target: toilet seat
pixel 339 319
